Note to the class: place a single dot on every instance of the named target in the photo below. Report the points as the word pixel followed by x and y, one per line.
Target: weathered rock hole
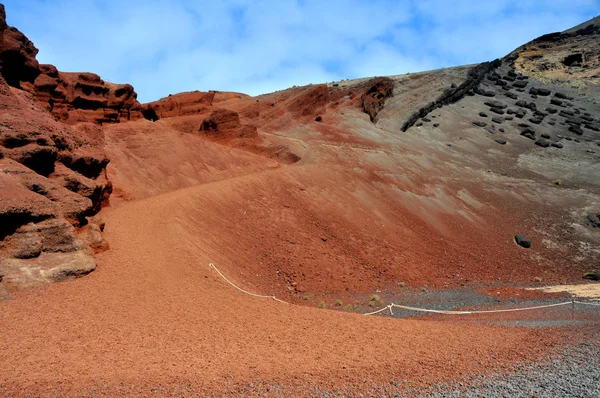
pixel 572 59
pixel 150 114
pixel 42 161
pixel 10 222
pixel 15 141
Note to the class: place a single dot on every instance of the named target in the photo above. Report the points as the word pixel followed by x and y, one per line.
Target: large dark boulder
pixel 523 241
pixel 495 104
pixel 529 133
pixel 520 84
pixel 542 143
pixel 544 92
pixel 575 129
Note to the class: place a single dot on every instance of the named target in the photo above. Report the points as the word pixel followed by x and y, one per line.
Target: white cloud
pixel 164 47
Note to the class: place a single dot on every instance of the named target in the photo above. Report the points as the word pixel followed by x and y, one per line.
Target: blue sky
pixel 165 47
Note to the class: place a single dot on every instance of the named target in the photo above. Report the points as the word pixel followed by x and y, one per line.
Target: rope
pixel 391 306
pixel 584 303
pixel 447 312
pixel 211 265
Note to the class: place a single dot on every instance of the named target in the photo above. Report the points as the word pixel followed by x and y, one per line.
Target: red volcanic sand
pixel 154 315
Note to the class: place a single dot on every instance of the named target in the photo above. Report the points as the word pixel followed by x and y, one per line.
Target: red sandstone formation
pixel 17 55
pixel 52 176
pixel 70 97
pixel 374 99
pixel 223 124
pixel 85 97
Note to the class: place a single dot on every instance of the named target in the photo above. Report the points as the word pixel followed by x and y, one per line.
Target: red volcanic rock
pixel 70 97
pixel 17 55
pixel 85 97
pixel 188 103
pixel 373 100
pixel 223 124
pixel 52 177
pixel 312 101
pixel 249 131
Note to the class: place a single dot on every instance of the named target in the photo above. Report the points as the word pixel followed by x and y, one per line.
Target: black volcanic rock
pixel 520 84
pixel 543 143
pixel 576 130
pixel 593 220
pixel 592 127
pixel 523 241
pixel 475 75
pixel 528 133
pixel 543 92
pixel 495 104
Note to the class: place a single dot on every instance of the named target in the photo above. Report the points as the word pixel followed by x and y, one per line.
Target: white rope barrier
pixel 390 307
pixel 584 303
pixel 449 312
pixel 211 265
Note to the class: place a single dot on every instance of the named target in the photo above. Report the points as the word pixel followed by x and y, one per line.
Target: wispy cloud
pixel 164 47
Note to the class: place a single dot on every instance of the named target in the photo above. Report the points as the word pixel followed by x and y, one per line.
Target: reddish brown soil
pixel 154 316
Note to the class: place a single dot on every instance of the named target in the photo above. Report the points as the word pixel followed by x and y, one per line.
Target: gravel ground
pixel 575 373
pixel 572 372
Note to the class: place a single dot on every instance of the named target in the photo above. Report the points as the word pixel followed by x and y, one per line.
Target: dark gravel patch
pixel 573 373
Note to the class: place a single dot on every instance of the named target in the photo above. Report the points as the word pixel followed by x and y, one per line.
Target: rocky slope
pixel 355 186
pixel 52 176
pixel 448 188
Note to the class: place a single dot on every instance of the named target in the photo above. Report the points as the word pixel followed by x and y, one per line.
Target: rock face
pixel 225 124
pixel 554 57
pixel 52 180
pixel 189 103
pixel 17 55
pixel 70 97
pixel 312 102
pixel 52 175
pixel 374 99
pixel 85 97
pixel 454 94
